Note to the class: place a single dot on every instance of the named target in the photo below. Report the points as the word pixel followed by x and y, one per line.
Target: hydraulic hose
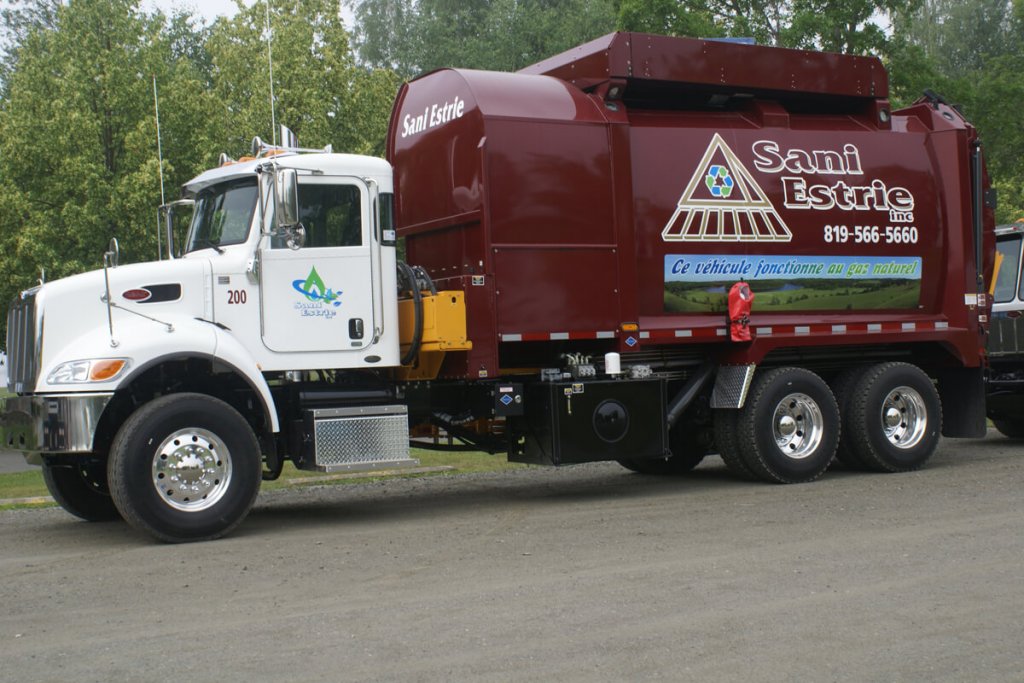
pixel 408 275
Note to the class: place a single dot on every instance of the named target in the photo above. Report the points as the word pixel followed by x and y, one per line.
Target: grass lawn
pixel 30 484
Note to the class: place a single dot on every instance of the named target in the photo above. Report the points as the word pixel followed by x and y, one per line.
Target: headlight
pixel 82 371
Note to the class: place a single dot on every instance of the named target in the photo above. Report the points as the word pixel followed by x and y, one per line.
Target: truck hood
pixel 149 300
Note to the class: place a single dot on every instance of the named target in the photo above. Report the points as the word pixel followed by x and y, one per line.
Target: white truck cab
pixel 158 391
pixel 310 300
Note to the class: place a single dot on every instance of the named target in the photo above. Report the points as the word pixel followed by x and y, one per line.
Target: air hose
pixel 407 276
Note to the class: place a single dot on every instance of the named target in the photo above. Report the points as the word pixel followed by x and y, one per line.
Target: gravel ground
pixel 586 573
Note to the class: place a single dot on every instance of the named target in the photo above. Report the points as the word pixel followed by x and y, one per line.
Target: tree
pixel 971 52
pixel 849 26
pixel 71 105
pixel 414 36
pixel 668 17
pixel 319 90
pixel 17 21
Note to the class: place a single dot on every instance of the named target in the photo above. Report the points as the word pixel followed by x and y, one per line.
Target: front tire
pixel 81 490
pixel 185 467
pixel 788 429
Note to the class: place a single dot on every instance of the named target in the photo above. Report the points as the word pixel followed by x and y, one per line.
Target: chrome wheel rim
pixel 798 426
pixel 904 417
pixel 192 469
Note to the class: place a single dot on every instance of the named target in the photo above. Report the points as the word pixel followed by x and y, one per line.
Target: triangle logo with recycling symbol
pixel 723 203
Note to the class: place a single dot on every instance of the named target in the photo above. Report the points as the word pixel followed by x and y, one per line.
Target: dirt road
pixel 590 573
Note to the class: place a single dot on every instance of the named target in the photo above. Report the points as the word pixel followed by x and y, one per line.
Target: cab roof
pixel 330 164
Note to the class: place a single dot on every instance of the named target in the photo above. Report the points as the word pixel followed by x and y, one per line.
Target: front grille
pixel 23 342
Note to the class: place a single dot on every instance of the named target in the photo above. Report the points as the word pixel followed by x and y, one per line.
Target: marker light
pixel 103 370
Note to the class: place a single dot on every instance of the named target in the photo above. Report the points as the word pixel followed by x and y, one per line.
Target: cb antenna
pixel 160 167
pixel 270 62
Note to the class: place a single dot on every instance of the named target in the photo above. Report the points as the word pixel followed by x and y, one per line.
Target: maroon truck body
pixel 606 198
pixel 598 208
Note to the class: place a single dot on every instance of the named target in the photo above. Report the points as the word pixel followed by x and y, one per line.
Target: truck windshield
pixel 223 214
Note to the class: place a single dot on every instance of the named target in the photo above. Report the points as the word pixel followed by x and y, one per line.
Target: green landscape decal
pixel 700 284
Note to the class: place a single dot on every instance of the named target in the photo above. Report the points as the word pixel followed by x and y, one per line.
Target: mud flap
pixel 962 391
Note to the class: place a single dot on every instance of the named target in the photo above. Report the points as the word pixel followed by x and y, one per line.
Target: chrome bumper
pixel 54 423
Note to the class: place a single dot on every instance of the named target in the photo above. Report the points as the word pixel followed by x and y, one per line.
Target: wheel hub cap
pixel 904 417
pixel 892 417
pixel 787 425
pixel 191 469
pixel 798 426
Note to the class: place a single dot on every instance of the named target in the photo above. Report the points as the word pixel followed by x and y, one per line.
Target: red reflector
pixel 137 294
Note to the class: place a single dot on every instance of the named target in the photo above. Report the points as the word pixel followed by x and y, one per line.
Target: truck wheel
pixel 843 387
pixel 788 430
pixel 1011 430
pixel 728 447
pixel 687 453
pixel 894 418
pixel 82 491
pixel 185 467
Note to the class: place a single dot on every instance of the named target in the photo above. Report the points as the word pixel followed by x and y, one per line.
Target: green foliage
pixel 836 25
pixel 415 36
pixel 971 53
pixel 78 139
pixel 668 17
pixel 68 151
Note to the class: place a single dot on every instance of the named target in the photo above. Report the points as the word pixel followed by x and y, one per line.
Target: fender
pixel 229 351
pixel 139 340
pixel 146 343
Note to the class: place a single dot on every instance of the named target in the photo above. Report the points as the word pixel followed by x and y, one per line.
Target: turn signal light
pixel 102 370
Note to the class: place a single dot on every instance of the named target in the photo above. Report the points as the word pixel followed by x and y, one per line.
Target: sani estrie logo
pixel 723 203
pixel 433 115
pixel 317 296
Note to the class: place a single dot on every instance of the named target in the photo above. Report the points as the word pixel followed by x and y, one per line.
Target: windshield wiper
pixel 212 245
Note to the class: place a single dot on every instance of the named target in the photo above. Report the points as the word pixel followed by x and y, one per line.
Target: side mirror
pixel 176 217
pixel 286 186
pixel 113 253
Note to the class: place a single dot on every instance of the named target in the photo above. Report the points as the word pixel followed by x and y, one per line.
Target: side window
pixel 1006 281
pixel 331 214
pixel 387 211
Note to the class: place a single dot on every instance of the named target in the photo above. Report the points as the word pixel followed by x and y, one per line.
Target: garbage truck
pixel 643 250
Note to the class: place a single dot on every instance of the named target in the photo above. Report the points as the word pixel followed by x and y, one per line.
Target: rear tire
pixel 185 467
pixel 1009 429
pixel 894 418
pixel 688 444
pixel 728 446
pixel 82 490
pixel 843 387
pixel 789 428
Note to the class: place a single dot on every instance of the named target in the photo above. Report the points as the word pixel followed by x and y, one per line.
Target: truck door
pixel 320 297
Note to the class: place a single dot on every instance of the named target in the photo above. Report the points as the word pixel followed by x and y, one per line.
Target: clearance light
pixel 83 371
